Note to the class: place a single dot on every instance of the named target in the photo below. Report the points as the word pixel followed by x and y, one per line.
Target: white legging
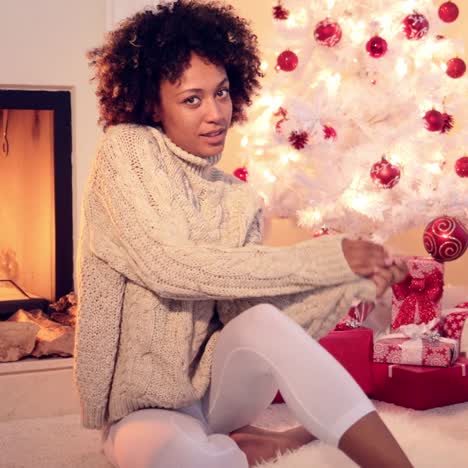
pixel 258 352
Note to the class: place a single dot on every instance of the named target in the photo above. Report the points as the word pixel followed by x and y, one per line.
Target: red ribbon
pixel 418 293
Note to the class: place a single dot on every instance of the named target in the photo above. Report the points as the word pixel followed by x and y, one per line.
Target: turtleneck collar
pixel 197 164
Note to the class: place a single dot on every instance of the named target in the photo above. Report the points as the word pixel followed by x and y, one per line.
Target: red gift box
pixel 356 315
pixel 417 299
pixel 420 387
pixel 353 350
pixel 398 349
pixel 455 325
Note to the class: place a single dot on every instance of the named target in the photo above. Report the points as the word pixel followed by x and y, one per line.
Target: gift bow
pixel 415 332
pixel 418 294
pixel 423 330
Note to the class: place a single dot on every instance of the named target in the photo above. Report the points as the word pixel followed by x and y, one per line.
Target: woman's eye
pixel 192 100
pixel 223 92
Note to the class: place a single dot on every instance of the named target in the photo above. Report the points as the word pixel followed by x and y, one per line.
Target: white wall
pixel 43 45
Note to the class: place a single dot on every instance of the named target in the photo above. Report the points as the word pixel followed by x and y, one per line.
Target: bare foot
pixel 262 445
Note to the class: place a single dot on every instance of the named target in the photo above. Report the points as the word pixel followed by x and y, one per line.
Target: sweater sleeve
pixel 100 293
pixel 317 311
pixel 131 203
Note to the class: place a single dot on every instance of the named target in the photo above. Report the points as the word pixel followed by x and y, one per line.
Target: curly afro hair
pixel 156 45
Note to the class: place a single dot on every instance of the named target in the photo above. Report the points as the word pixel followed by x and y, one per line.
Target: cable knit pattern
pixel 167 239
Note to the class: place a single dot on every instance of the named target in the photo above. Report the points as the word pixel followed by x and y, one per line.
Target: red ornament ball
pixel 287 61
pixel 328 33
pixel 376 46
pixel 456 67
pixel 448 12
pixel 434 120
pixel 461 166
pixel 415 26
pixel 445 238
pixel 384 174
pixel 329 132
pixel 241 173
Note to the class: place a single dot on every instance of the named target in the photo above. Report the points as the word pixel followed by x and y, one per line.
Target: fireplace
pixel 36 232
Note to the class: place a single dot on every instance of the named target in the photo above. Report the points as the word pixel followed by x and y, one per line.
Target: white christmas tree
pixel 362 123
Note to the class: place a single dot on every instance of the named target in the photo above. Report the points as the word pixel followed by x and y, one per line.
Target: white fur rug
pixel 432 439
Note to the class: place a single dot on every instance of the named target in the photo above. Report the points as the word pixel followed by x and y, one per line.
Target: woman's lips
pixel 214 137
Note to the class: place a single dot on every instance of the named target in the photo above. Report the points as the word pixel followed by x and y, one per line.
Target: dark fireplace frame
pixel 60 103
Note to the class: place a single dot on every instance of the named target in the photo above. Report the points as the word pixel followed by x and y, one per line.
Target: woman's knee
pixel 166 439
pixel 261 316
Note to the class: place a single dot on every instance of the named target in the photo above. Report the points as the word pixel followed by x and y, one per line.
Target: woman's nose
pixel 214 111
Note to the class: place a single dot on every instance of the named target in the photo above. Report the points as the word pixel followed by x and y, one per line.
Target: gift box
pixel 419 387
pixel 416 345
pixel 353 350
pixel 455 325
pixel 417 299
pixel 441 352
pixel 356 315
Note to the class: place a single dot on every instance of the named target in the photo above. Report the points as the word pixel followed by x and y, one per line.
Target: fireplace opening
pixel 36 230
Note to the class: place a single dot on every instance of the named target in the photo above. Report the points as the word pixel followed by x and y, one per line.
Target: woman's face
pixel 195 112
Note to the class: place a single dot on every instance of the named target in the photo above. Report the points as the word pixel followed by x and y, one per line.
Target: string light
pixel 357 31
pixel 333 83
pixel 269 176
pixel 401 67
pixel 435 168
pixel 356 200
pixel 311 217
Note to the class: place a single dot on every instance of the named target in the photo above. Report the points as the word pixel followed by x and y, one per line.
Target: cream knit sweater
pixel 168 253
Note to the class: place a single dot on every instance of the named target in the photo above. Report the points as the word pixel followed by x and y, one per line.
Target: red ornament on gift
pixel 287 61
pixel 241 173
pixel 456 67
pixel 445 238
pixel 328 33
pixel 384 174
pixel 448 12
pixel 434 120
pixel 461 166
pixel 415 26
pixel 376 47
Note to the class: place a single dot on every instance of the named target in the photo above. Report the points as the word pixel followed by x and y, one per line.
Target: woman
pixel 187 326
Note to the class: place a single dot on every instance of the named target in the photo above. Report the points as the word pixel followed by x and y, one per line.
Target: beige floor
pixel 434 438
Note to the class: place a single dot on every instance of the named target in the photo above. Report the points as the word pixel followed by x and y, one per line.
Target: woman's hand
pixel 385 277
pixel 372 261
pixel 364 257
